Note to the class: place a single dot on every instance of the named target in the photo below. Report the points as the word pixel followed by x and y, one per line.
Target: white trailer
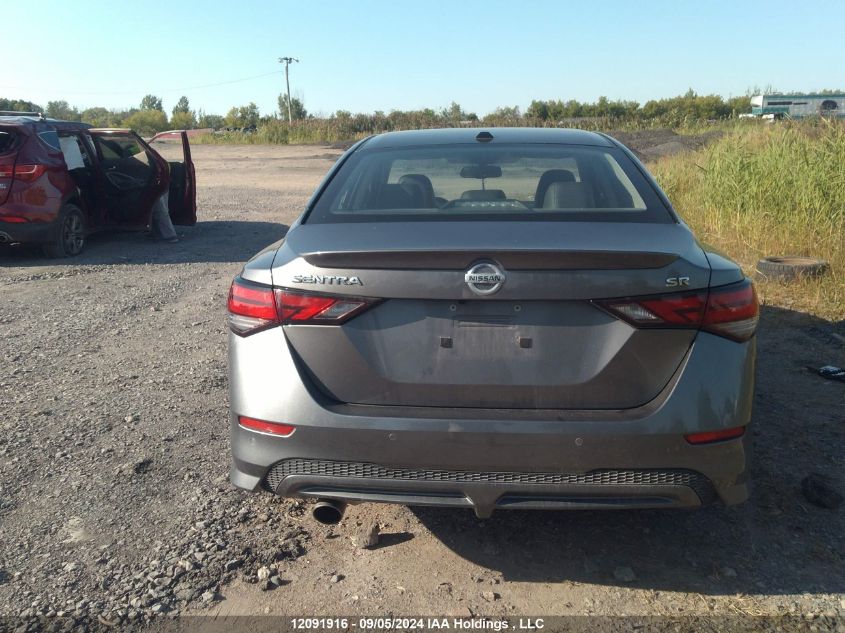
pixel 797 106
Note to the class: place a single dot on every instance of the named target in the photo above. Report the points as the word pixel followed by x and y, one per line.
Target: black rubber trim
pixel 697 482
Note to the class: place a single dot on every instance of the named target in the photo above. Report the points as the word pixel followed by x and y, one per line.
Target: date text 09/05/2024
pixel 420 624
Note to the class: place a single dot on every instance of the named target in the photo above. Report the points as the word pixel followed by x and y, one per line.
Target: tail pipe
pixel 328 511
pixel 5 239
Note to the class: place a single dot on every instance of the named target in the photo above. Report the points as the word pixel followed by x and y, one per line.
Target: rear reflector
pixel 13 219
pixel 262 426
pixel 731 311
pixel 708 437
pixel 255 307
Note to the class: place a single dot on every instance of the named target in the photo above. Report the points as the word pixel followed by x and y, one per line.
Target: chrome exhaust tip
pixel 328 511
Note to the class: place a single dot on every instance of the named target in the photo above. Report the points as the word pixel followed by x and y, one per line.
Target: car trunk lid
pixel 539 341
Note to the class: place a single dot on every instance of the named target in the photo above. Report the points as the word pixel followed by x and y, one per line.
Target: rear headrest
pixel 423 182
pixel 400 197
pixel 548 177
pixel 568 195
pixel 484 194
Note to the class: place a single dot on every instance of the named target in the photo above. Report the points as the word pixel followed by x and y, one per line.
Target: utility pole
pixel 287 61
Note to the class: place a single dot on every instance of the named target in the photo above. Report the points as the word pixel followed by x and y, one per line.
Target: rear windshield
pixel 7 140
pixel 494 182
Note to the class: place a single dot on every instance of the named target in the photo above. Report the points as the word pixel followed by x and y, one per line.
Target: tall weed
pixel 770 190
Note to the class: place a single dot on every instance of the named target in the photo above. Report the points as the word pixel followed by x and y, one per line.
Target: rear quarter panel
pixel 41 200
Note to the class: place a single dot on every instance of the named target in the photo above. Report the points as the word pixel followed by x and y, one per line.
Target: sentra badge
pixel 328 280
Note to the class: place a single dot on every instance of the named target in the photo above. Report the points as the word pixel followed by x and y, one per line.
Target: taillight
pixel 708 437
pixel 28 173
pixel 7 169
pixel 676 310
pixel 262 426
pixel 731 311
pixel 251 307
pixel 254 307
pixel 298 307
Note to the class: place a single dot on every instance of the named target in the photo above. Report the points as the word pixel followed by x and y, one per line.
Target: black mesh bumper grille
pixel 362 470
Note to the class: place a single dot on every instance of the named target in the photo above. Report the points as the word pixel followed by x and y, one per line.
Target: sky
pixel 367 55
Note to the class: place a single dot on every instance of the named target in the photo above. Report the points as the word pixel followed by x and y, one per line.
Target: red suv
pixel 60 181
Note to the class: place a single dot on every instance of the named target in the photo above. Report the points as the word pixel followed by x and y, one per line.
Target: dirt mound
pixel 650 145
pixel 342 145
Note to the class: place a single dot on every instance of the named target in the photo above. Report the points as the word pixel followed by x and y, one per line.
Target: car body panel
pixel 491 440
pixel 392 354
pixel 539 238
pixel 37 201
pixel 484 365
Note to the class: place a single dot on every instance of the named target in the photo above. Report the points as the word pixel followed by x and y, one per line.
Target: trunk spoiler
pixel 511 260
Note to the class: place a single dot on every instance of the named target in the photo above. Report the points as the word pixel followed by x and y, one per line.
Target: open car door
pixel 183 183
pixel 130 174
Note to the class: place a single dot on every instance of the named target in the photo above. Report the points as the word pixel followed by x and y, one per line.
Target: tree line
pixel 150 116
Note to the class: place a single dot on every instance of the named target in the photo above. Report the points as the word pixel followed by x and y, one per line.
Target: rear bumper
pixel 494 459
pixel 485 492
pixel 12 232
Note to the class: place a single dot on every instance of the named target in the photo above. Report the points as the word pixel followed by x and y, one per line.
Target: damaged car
pixel 506 319
pixel 60 181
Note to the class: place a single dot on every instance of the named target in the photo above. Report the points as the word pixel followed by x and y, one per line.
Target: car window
pixel 521 177
pixel 74 151
pixel 51 138
pixel 124 154
pixel 7 140
pixel 83 150
pixel 476 182
pixel 118 148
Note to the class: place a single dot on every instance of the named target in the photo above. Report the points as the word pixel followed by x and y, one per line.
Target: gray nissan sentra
pixel 512 318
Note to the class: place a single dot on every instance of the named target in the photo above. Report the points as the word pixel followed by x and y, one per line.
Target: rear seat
pixel 400 196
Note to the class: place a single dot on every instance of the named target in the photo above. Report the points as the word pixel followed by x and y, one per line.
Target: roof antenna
pixel 484 137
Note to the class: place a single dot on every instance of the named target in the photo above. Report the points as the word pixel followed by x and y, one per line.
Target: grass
pixel 765 190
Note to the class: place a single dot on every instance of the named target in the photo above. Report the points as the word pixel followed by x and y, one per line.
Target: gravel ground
pixel 115 506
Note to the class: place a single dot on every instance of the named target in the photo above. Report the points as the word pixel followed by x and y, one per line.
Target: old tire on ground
pixel 70 238
pixel 786 268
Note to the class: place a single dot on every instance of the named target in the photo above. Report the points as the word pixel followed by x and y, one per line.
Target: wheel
pixel 786 268
pixel 70 240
